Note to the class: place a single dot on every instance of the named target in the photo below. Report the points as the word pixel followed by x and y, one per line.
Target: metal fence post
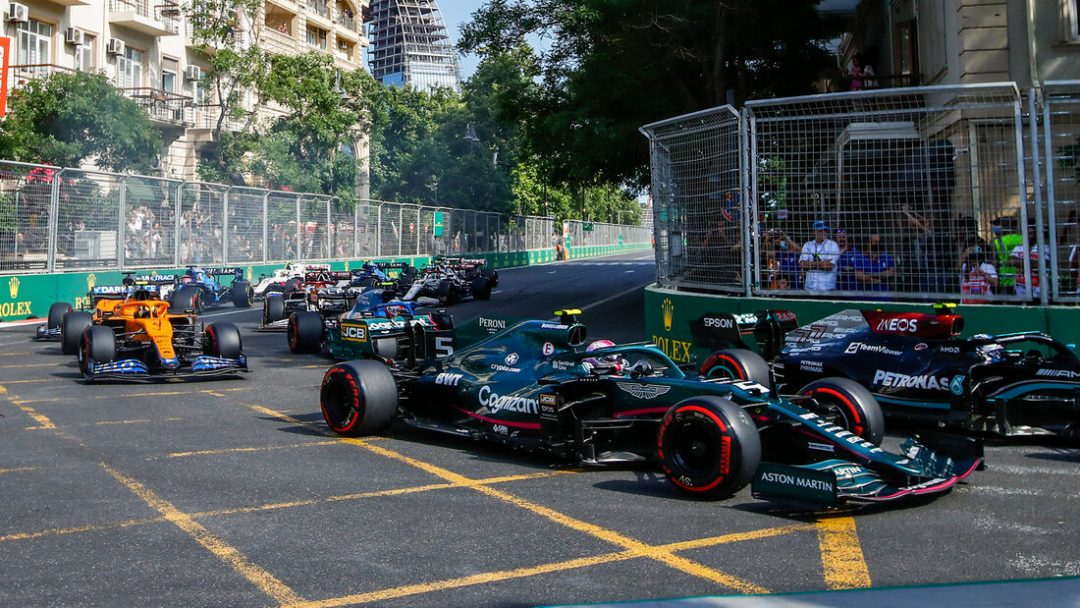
pixel 121 248
pixel 1051 197
pixel 744 163
pixel 329 247
pixel 225 226
pixel 297 253
pixel 178 218
pixel 378 230
pixel 54 221
pixel 266 226
pixel 1037 185
pixel 400 226
pixel 1021 171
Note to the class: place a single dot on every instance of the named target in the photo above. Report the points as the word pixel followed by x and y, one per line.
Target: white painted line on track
pixel 614 297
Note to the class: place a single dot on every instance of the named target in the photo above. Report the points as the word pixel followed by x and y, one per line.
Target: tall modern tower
pixel 410 45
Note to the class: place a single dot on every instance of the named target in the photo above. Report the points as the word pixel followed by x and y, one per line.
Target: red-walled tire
pixel 847 404
pixel 223 340
pixel 708 447
pixel 99 345
pixel 358 398
pixel 72 326
pixel 305 332
pixel 56 314
pixel 738 364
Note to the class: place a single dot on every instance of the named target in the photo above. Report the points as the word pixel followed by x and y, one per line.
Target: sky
pixel 456 13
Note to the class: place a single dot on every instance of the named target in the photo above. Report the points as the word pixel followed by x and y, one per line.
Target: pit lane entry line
pixel 632 545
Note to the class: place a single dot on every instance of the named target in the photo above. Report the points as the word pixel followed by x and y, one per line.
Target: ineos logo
pixel 899 325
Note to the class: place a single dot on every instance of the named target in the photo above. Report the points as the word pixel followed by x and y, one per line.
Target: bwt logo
pixel 667 307
pixel 13 287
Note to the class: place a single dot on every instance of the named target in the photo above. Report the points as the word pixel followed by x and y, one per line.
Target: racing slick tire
pixel 98 344
pixel 273 309
pixel 481 288
pixel 446 293
pixel 358 398
pixel 241 294
pixel 708 447
pixel 56 314
pixel 491 275
pixel 847 404
pixel 186 298
pixel 305 332
pixel 738 364
pixel 223 340
pixel 72 326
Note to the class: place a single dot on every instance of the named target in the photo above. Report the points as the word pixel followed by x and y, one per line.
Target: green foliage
pixel 616 65
pixel 66 118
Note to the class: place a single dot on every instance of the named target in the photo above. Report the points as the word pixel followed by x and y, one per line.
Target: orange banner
pixel 5 50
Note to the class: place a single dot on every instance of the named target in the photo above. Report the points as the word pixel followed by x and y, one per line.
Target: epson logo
pixel 446 379
pixel 492 323
pixel 497 403
pixel 354 332
pixel 719 322
pixel 907 326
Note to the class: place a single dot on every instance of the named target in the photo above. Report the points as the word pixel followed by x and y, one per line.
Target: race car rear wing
pixel 223 271
pixel 325 277
pixel 460 263
pixel 719 331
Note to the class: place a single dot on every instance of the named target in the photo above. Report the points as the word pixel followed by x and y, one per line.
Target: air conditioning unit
pixel 116 46
pixel 18 13
pixel 74 35
pixel 193 72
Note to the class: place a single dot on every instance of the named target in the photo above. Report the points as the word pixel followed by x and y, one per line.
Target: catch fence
pixel 55 219
pixel 928 193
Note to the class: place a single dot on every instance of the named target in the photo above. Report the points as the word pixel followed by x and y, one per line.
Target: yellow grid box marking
pixel 841 554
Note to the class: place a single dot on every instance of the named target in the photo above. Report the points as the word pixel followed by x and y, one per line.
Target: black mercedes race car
pixel 1019 385
pixel 536 386
pixel 450 280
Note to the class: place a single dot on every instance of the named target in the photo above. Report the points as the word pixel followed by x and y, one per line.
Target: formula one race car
pixel 398 276
pixel 326 293
pixel 450 280
pixel 201 287
pixel 66 324
pixel 140 339
pixel 285 278
pixel 536 386
pixel 1019 385
pixel 375 328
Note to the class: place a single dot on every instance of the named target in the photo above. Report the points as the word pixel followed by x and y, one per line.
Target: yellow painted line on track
pixel 259 577
pixel 42 420
pixel 841 554
pixel 34 381
pixel 136 421
pixel 80 529
pixel 265 448
pixel 635 546
pixel 573 564
pixel 18 470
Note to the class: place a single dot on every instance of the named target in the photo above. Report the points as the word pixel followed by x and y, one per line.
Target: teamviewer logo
pixel 13 287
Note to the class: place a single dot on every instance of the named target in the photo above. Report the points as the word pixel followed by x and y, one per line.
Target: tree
pixel 67 118
pixel 615 66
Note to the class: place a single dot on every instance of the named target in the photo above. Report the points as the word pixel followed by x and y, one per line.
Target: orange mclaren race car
pixel 139 338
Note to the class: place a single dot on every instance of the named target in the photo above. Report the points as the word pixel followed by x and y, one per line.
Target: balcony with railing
pixel 21 75
pixel 164 108
pixel 319 8
pixel 278 42
pixel 152 17
pixel 205 117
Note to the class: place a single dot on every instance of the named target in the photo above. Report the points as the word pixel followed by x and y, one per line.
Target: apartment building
pixel 932 42
pixel 146 49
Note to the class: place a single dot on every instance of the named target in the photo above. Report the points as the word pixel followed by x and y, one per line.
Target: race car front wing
pixel 137 370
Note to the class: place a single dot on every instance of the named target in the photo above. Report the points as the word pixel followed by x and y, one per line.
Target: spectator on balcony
pixel 978 276
pixel 1006 238
pixel 861 74
pixel 818 259
pixel 1016 263
pixel 784 262
pixel 874 267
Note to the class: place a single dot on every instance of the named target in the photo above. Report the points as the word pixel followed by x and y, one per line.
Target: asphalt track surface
pixel 233 493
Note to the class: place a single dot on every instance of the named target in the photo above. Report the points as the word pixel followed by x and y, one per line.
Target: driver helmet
pixel 605 364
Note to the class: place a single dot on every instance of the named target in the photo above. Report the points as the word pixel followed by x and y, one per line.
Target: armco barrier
pixel 30 295
pixel 667 313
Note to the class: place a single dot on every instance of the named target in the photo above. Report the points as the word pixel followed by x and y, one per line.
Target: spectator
pixel 845 264
pixel 1006 238
pixel 978 276
pixel 786 273
pixel 1016 263
pixel 818 259
pixel 874 267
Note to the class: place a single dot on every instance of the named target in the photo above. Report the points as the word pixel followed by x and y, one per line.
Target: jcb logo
pixel 357 333
pixel 13 287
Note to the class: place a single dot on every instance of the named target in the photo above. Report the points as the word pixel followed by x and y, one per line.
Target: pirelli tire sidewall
pixel 305 332
pixel 849 405
pixel 223 340
pixel 72 326
pixel 56 314
pixel 98 345
pixel 708 447
pixel 738 364
pixel 358 398
pixel 273 308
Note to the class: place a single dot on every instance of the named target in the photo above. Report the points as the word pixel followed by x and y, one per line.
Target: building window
pixel 170 68
pixel 129 69
pixel 1072 21
pixel 84 54
pixel 316 37
pixel 35 41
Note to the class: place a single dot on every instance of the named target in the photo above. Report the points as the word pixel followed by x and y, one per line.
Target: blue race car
pixel 200 288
